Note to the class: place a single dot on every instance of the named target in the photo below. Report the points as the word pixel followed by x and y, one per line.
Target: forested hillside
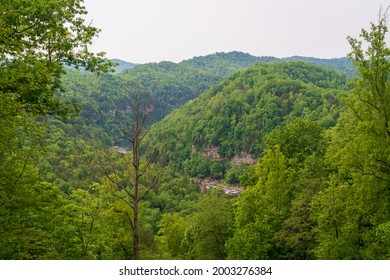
pixel 303 142
pixel 228 123
pixel 225 64
pixel 168 85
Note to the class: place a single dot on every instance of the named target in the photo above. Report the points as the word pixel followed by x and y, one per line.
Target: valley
pixel 237 157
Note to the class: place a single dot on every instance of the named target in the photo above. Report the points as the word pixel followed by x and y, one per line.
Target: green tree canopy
pixel 37 39
pixel 353 213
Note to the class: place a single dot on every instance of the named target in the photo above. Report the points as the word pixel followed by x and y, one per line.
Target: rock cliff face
pixel 243 158
pixel 210 153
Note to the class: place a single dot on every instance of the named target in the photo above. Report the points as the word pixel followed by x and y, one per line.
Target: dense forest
pixel 224 156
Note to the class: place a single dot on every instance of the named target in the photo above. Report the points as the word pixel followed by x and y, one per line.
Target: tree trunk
pixel 135 136
pixel 136 165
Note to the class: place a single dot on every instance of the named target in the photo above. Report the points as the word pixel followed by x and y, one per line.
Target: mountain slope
pixel 226 64
pixel 342 64
pixel 123 65
pixel 169 85
pixel 230 120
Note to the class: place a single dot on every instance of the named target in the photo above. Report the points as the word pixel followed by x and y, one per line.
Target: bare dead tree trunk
pixel 136 134
pixel 136 141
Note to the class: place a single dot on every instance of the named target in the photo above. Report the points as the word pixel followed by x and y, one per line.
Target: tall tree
pixel 131 193
pixel 36 39
pixel 353 213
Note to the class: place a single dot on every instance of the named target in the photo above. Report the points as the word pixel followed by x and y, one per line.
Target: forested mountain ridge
pixel 232 118
pixel 122 65
pixel 168 84
pixel 225 64
pixel 342 64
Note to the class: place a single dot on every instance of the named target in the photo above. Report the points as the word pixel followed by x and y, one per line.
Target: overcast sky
pixel 143 31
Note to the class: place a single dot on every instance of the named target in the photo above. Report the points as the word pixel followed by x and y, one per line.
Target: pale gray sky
pixel 143 31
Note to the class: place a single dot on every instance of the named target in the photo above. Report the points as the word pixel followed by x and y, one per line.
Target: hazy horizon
pixel 175 30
